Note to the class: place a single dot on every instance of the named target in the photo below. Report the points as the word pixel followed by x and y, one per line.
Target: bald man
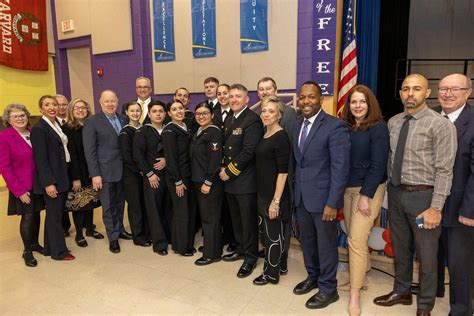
pixel 420 170
pixel 105 164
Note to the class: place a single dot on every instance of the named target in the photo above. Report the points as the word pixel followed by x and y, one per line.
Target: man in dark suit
pixel 241 136
pixel 321 148
pixel 458 218
pixel 105 163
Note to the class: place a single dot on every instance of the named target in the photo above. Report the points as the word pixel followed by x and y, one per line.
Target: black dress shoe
pixel 231 248
pixel 162 252
pixel 305 286
pixel 283 271
pixel 200 248
pixel 125 235
pixel 67 233
pixel 393 298
pixel 189 253
pixel 261 253
pixel 245 270
pixel 205 261
pixel 321 300
pixel 114 246
pixel 145 244
pixel 94 234
pixel 232 257
pixel 38 248
pixel 81 242
pixel 30 261
pixel 263 280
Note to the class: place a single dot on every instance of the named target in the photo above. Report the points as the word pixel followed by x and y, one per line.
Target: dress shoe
pixel 283 271
pixel 38 248
pixel 205 261
pixel 393 298
pixel 200 248
pixel 263 280
pixel 68 257
pixel 114 246
pixel 94 234
pixel 421 312
pixel 189 253
pixel 125 235
pixel 305 286
pixel 162 252
pixel 81 242
pixel 245 270
pixel 231 248
pixel 346 287
pixel 261 253
pixel 30 261
pixel 321 300
pixel 144 244
pixel 232 257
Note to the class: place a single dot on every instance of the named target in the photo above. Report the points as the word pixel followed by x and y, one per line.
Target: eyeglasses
pixel 79 108
pixel 202 114
pixel 18 117
pixel 454 90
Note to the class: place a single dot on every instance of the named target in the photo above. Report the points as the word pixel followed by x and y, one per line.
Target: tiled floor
pixel 137 281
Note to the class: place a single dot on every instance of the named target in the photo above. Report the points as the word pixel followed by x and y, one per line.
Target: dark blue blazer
pixel 322 169
pixel 461 199
pixel 51 166
pixel 369 154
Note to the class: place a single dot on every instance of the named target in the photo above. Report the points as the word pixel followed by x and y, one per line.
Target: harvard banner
pixel 253 26
pixel 23 34
pixel 163 30
pixel 204 28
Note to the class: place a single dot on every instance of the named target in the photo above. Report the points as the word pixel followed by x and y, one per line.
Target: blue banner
pixel 163 30
pixel 253 26
pixel 204 28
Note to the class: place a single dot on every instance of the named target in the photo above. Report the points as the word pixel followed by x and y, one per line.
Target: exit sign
pixel 67 26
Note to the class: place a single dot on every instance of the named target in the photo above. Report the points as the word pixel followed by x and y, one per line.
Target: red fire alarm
pixel 100 71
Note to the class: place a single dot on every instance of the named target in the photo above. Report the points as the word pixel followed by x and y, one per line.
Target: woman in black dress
pixel 133 181
pixel 17 166
pixel 149 154
pixel 206 158
pixel 83 215
pixel 273 199
pixel 176 138
pixel 51 177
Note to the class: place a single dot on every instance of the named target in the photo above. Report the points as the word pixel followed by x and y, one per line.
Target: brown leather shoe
pixel 393 298
pixel 421 312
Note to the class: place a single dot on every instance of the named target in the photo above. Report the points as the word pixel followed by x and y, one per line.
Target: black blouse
pixel 147 146
pixel 176 147
pixel 126 146
pixel 78 165
pixel 206 155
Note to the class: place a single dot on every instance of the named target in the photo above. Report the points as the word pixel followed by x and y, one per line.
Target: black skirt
pixel 17 207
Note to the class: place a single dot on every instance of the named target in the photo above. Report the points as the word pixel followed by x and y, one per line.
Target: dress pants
pixel 457 243
pixel 183 219
pixel 210 206
pixel 404 207
pixel 136 206
pixel 157 209
pixel 319 242
pixel 112 200
pixel 273 234
pixel 54 242
pixel 358 230
pixel 226 221
pixel 83 219
pixel 243 211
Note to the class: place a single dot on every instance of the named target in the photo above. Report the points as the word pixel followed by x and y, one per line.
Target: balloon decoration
pixel 386 236
pixel 376 241
pixel 388 249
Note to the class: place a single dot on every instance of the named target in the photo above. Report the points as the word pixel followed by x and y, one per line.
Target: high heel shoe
pixel 354 311
pixel 30 261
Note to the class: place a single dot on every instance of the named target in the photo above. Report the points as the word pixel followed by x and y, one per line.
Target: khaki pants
pixel 358 230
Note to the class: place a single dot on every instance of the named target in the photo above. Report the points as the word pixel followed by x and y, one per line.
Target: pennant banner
pixel 204 28
pixel 23 34
pixel 253 26
pixel 163 24
pixel 324 44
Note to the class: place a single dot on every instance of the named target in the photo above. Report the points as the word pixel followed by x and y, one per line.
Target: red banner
pixel 23 34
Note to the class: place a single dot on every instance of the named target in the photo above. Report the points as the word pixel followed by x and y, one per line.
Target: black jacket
pixel 176 146
pixel 78 165
pixel 206 155
pixel 217 120
pixel 147 146
pixel 126 146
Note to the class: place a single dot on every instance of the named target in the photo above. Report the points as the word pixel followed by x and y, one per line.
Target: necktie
pixel 400 151
pixel 304 134
pixel 224 115
pixel 115 124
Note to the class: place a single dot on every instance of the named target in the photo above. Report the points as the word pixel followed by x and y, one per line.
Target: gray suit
pixel 104 158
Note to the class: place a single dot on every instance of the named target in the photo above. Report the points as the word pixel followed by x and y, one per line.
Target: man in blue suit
pixel 321 148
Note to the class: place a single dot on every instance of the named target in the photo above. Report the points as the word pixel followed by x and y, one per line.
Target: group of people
pixel 241 174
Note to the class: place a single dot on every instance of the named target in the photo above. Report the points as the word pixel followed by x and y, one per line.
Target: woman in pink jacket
pixel 17 167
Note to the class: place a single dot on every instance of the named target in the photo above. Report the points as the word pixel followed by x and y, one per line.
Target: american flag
pixel 348 78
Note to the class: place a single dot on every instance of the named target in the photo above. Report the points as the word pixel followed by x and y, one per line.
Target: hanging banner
pixel 163 24
pixel 253 26
pixel 204 28
pixel 23 34
pixel 324 44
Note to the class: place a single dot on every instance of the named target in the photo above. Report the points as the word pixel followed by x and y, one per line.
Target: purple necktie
pixel 304 133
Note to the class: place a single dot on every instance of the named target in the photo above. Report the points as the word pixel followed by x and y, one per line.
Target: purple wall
pixel 122 68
